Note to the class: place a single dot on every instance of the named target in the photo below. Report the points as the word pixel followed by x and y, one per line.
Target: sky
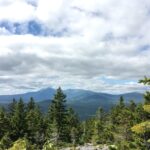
pixel 98 45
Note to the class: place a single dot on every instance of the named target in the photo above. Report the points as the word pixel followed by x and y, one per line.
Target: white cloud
pixel 102 38
pixel 16 11
pixel 4 31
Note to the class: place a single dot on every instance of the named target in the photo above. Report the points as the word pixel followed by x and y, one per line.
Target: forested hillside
pixel 24 126
pixel 84 102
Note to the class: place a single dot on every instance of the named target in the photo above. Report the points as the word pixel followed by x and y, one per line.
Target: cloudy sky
pixel 100 45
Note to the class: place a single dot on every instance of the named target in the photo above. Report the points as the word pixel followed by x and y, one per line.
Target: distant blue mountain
pixel 38 96
pixel 73 95
pixel 84 102
pixel 87 102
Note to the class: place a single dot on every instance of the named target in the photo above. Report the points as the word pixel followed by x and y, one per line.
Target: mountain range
pixel 84 102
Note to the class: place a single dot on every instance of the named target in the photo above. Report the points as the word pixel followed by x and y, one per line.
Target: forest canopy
pixel 23 125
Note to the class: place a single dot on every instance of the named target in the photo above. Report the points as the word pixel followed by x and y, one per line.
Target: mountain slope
pixel 84 102
pixel 38 96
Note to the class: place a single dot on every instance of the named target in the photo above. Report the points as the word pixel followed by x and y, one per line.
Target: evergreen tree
pixel 87 130
pixel 100 115
pixel 117 112
pixel 5 142
pixel 31 105
pixel 139 114
pixel 22 144
pixel 73 126
pixel 28 128
pixel 18 122
pixel 143 128
pixel 102 130
pixel 121 103
pixel 4 122
pixel 98 133
pixel 11 107
pixel 34 122
pixel 57 116
pixel 132 106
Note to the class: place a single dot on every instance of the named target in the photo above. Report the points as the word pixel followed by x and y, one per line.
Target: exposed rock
pixel 88 147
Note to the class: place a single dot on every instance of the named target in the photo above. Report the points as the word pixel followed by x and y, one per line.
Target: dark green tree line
pixel 24 125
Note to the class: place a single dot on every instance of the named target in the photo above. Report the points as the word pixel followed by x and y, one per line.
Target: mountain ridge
pixel 47 93
pixel 84 102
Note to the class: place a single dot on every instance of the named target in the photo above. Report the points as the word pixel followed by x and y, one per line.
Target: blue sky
pixel 100 45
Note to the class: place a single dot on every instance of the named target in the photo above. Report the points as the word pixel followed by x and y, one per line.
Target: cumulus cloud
pixel 74 44
pixel 16 11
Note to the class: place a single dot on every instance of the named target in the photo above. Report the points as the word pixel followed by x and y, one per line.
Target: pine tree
pixel 98 132
pixel 102 131
pixel 11 107
pixel 4 122
pixel 132 106
pixel 57 116
pixel 87 130
pixel 116 112
pixel 73 126
pixel 100 115
pixel 143 128
pixel 31 105
pixel 5 142
pixel 34 123
pixel 121 103
pixel 98 126
pixel 18 122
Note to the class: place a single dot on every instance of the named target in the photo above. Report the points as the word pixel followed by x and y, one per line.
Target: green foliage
pixel 34 121
pixel 62 123
pixel 132 106
pixel 141 128
pixel 31 105
pixel 117 112
pixel 4 122
pixel 57 117
pixel 87 130
pixel 12 107
pixel 25 127
pixel 22 144
pixel 73 127
pixel 102 130
pixel 18 122
pixel 113 147
pixel 19 144
pixel 49 146
pixel 145 81
pixel 5 142
pixel 147 108
pixel 100 115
